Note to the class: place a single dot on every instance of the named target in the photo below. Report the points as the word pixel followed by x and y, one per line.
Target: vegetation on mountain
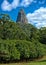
pixel 20 41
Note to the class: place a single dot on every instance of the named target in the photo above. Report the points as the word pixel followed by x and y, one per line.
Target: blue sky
pixel 35 10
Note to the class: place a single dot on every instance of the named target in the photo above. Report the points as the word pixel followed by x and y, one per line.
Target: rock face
pixel 22 17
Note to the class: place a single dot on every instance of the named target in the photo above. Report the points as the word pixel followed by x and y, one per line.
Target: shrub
pixel 11 50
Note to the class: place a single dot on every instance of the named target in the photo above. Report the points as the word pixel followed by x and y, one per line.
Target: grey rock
pixel 21 18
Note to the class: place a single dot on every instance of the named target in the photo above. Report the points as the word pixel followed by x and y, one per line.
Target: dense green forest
pixel 20 41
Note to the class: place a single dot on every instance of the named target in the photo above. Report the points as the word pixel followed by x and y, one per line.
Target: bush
pixel 8 51
pixel 11 50
pixel 30 49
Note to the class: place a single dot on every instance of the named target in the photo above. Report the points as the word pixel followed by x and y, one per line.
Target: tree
pixel 23 49
pixel 42 35
pixel 4 18
pixel 14 53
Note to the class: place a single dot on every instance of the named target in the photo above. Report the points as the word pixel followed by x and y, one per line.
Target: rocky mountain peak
pixel 22 17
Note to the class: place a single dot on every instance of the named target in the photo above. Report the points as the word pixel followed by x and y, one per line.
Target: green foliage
pixel 42 35
pixel 4 53
pixel 30 49
pixel 23 49
pixel 20 41
pixel 20 31
pixel 20 49
pixel 11 30
pixel 8 51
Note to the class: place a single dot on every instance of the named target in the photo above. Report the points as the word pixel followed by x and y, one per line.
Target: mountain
pixel 22 17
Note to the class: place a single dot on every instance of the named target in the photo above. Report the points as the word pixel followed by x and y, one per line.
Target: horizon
pixel 35 10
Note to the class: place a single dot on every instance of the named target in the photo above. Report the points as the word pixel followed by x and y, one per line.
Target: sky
pixel 35 10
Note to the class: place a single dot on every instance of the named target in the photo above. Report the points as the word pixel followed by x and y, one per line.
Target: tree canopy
pixel 20 41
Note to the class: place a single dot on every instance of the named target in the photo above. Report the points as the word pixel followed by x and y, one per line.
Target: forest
pixel 20 41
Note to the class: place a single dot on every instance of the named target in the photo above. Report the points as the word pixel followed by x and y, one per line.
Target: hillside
pixel 20 41
pixel 11 30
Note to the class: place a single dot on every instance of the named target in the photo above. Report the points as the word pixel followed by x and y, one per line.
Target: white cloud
pixel 42 2
pixel 25 3
pixel 15 3
pixel 6 6
pixel 38 17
